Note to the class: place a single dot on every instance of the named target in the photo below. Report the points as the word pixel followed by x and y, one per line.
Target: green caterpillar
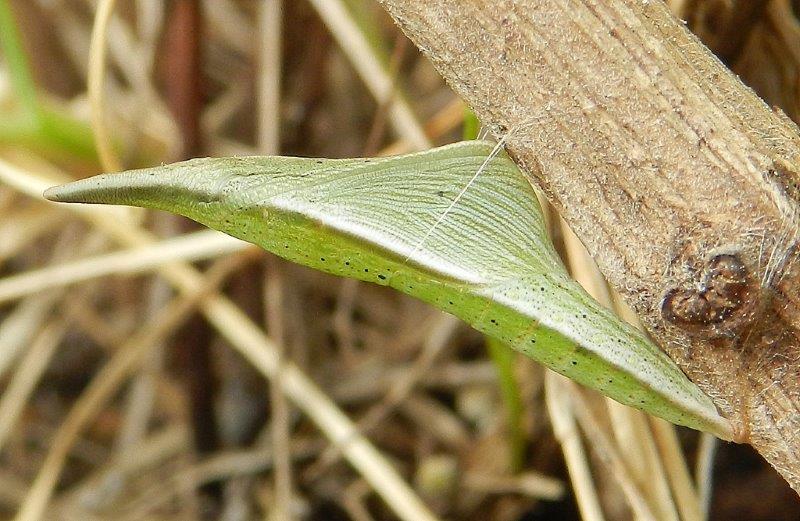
pixel 489 262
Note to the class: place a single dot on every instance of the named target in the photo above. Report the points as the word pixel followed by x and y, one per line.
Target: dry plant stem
pixel 184 89
pixel 436 420
pixel 270 17
pixel 343 319
pixel 188 248
pixel 448 118
pixel 667 167
pixel 634 441
pixel 85 315
pixel 27 376
pixel 231 24
pixel 182 72
pixel 21 228
pixel 448 376
pixel 671 457
pixel 361 56
pixel 143 390
pixel 676 469
pixel 630 426
pixel 561 415
pixel 435 343
pixel 20 326
pixel 223 108
pixel 251 342
pixel 141 106
pixel 531 484
pixel 12 489
pixel 150 16
pixel 604 448
pixel 154 123
pixel 378 127
pixel 680 479
pixel 103 387
pixel 353 501
pixel 138 458
pixel 632 447
pixel 399 390
pixel 129 54
pixel 95 81
pixel 281 432
pixel 7 197
pixel 223 465
pixel 781 20
pixel 704 471
pixel 237 498
pixel 656 482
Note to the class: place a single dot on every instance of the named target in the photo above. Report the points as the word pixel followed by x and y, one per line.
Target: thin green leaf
pixel 16 61
pixel 488 261
pixel 504 360
pixel 36 125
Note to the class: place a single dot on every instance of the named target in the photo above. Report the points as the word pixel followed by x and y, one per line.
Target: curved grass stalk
pixel 489 262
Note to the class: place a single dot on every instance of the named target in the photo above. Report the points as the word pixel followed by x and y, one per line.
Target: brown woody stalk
pixel 679 180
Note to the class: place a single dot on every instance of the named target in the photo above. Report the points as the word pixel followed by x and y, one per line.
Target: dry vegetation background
pixel 118 401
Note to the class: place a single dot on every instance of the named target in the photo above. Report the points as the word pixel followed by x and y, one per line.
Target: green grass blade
pixel 488 262
pixel 17 61
pixel 504 360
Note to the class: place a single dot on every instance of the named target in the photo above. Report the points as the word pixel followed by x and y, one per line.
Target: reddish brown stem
pixel 183 82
